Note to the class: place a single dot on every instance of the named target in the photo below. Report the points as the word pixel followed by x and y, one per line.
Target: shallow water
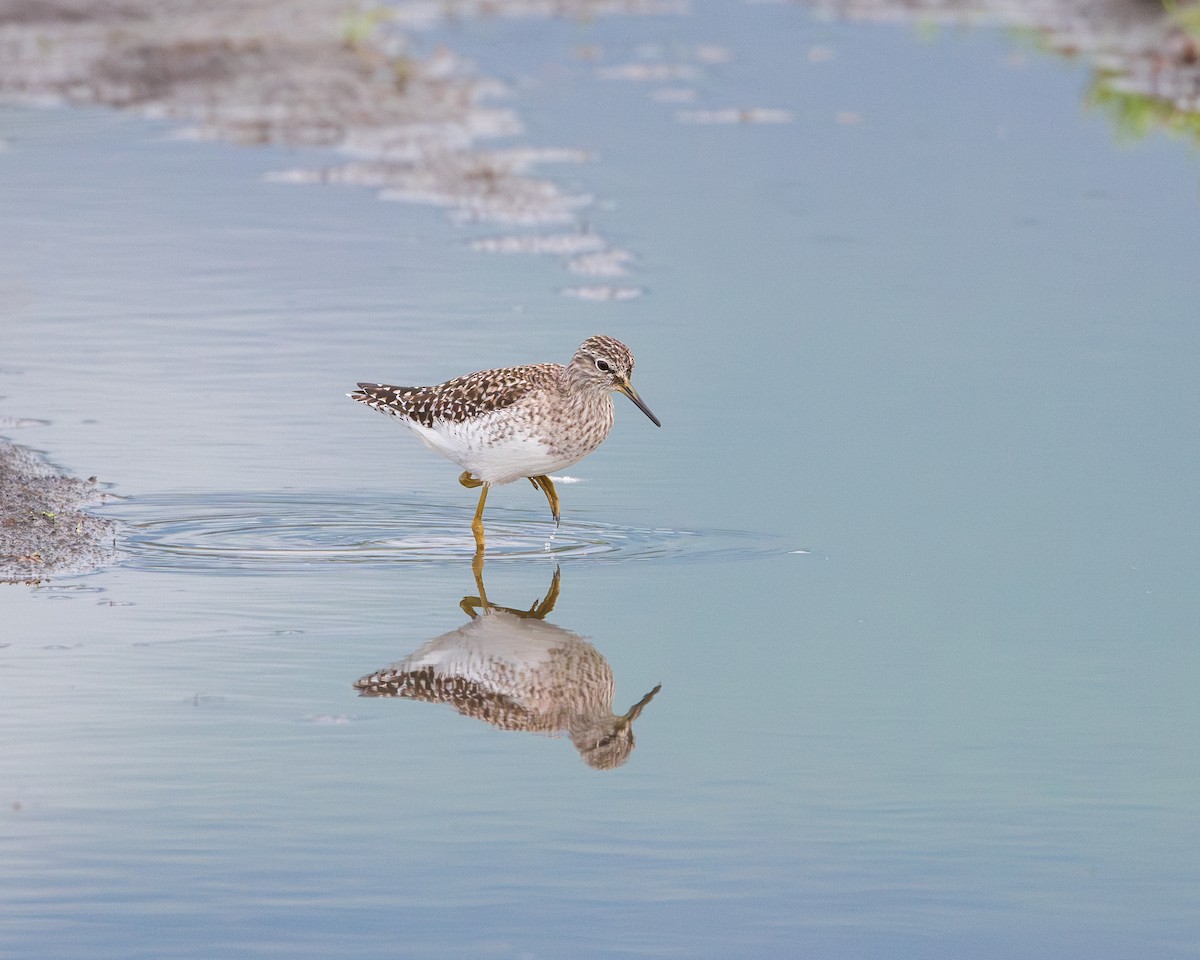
pixel 913 556
pixel 271 533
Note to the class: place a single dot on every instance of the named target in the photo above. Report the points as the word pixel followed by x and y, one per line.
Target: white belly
pixel 490 458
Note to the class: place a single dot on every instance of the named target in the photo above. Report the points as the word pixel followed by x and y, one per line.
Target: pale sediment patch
pixel 602 293
pixel 419 14
pixel 584 252
pixel 313 73
pixel 44 532
pixel 602 263
pixel 729 115
pixel 555 244
pixel 648 72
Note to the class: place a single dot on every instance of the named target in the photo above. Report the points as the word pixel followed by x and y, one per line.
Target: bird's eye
pixel 603 366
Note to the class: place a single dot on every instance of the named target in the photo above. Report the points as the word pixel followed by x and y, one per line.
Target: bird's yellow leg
pixel 471 483
pixel 477 526
pixel 546 485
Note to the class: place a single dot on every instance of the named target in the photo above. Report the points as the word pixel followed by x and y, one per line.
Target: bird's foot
pixel 546 485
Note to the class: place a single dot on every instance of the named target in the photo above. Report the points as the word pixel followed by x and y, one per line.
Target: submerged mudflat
pixel 44 528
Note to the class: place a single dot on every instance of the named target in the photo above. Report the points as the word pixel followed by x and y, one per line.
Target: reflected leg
pixel 469 604
pixel 540 608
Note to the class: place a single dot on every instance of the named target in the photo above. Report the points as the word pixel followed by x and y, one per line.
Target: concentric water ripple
pixel 273 532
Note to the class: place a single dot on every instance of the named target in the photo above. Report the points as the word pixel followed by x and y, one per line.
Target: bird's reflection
pixel 517 672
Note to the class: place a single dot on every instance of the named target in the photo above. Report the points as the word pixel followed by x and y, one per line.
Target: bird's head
pixel 608 364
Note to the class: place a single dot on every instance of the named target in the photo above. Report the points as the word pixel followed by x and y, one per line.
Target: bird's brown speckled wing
pixel 468 697
pixel 462 398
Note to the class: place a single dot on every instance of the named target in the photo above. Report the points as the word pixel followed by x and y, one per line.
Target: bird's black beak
pixel 636 710
pixel 627 388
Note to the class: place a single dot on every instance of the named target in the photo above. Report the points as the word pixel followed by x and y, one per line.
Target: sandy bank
pixel 44 530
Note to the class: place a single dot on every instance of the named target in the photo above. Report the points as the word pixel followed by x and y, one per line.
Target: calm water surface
pixel 913 556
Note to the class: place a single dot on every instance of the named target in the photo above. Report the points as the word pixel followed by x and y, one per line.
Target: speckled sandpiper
pixel 512 422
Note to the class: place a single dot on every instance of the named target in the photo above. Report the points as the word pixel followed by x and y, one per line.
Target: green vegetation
pixel 358 26
pixel 1186 15
pixel 1135 116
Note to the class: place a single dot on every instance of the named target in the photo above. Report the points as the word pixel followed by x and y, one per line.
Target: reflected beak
pixel 636 710
pixel 627 388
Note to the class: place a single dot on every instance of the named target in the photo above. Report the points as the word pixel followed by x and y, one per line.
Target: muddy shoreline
pixel 44 529
pixel 1144 55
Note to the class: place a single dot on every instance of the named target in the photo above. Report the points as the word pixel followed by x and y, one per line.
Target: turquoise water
pixel 913 556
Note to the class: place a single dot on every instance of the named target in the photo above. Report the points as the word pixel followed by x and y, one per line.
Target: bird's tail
pixel 380 396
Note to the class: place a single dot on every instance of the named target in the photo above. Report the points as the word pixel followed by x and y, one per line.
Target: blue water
pixel 913 555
